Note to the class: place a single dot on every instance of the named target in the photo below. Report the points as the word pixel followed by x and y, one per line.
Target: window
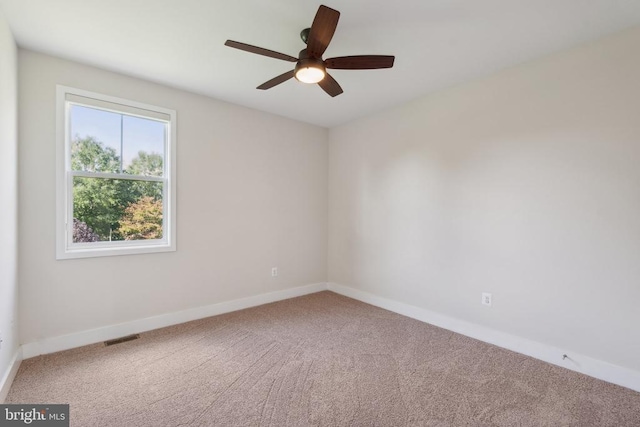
pixel 115 176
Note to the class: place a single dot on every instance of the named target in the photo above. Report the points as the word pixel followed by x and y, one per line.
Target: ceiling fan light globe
pixel 309 70
pixel 310 74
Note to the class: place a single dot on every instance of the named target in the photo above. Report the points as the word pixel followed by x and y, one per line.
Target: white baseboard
pixel 78 339
pixel 547 353
pixel 576 362
pixel 7 379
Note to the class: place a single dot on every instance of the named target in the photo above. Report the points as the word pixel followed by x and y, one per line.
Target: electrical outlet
pixel 274 272
pixel 486 299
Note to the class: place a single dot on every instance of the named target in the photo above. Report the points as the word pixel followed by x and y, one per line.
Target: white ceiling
pixel 437 43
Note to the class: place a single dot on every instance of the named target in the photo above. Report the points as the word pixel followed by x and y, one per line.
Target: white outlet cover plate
pixel 486 298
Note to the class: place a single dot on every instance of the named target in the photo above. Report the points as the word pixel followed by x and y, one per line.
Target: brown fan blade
pixel 330 85
pixel 360 62
pixel 260 51
pixel 276 80
pixel 322 29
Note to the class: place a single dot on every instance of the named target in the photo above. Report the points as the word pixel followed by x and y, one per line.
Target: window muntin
pixel 119 162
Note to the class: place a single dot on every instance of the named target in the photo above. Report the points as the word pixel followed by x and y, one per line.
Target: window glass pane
pixel 116 209
pixel 143 148
pixel 95 140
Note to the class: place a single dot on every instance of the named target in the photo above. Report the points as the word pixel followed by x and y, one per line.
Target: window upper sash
pixel 121 108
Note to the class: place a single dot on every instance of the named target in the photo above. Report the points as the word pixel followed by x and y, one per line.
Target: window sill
pixel 113 251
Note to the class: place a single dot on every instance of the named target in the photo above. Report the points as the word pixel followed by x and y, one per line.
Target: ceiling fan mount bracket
pixel 304 35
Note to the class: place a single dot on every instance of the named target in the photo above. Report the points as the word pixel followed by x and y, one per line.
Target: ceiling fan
pixel 310 67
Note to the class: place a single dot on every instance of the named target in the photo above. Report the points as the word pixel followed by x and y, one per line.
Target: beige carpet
pixel 322 360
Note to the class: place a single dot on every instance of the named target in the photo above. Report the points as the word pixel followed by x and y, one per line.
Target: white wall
pixel 525 184
pixel 8 202
pixel 252 194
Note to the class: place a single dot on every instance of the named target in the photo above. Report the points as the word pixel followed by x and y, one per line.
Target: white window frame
pixel 65 248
